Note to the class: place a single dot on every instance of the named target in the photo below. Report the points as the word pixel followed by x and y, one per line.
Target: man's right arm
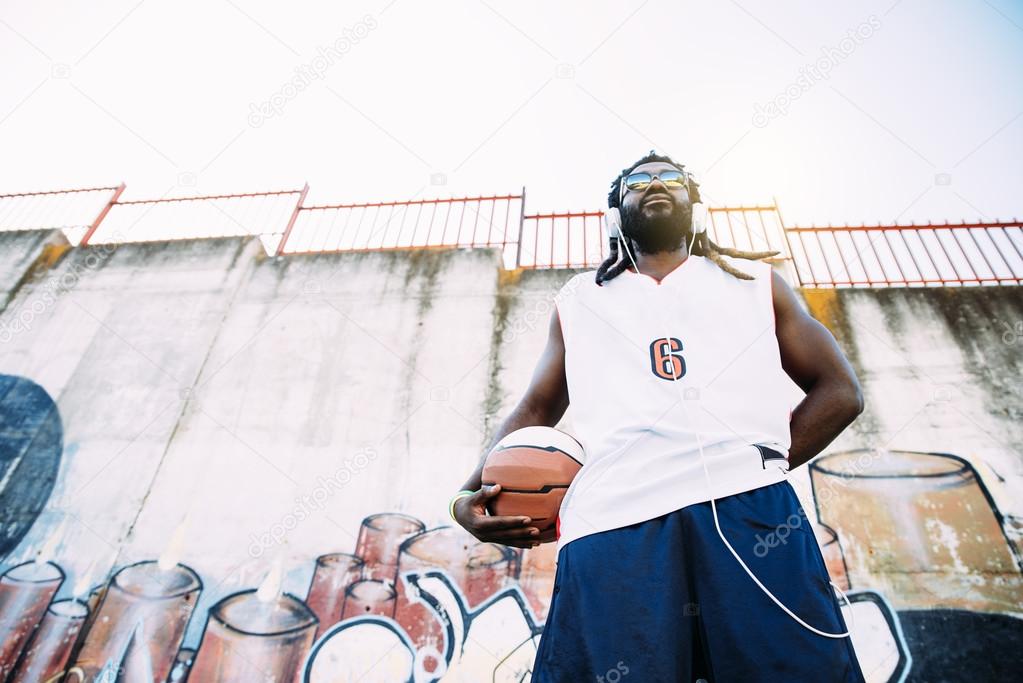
pixel 543 404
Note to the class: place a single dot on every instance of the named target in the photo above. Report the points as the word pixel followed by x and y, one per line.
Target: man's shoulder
pixel 760 270
pixel 575 286
pixel 579 278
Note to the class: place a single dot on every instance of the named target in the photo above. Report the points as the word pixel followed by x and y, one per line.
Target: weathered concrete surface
pixel 522 318
pixel 940 368
pixel 24 253
pixel 116 344
pixel 321 359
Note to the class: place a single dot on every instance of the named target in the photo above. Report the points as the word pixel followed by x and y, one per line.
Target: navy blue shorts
pixel 664 600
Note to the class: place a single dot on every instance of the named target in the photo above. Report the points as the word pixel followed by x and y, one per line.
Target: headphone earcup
pixel 699 218
pixel 613 222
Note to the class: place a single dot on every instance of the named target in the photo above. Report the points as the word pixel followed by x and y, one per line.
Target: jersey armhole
pixel 561 320
pixel 557 303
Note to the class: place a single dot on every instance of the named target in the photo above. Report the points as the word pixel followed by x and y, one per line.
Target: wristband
pixel 454 499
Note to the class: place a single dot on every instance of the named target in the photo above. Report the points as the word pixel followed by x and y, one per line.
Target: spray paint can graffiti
pixel 248 638
pixel 141 621
pixel 46 656
pixel 25 592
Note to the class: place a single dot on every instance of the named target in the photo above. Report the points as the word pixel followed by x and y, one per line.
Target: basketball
pixel 534 467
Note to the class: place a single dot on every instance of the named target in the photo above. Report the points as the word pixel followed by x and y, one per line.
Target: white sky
pixel 158 94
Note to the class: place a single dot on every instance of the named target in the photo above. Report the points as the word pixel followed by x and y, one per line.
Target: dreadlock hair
pixel 702 246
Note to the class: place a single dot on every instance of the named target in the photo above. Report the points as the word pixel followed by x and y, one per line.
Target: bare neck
pixel 660 264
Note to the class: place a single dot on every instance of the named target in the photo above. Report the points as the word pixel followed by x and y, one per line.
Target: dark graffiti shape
pixel 954 645
pixel 31 443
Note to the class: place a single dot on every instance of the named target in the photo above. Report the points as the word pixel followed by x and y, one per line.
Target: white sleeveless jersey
pixel 623 342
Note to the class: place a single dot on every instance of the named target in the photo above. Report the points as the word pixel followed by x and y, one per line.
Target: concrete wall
pixel 24 252
pixel 233 422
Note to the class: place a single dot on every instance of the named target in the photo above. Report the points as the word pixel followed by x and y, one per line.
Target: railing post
pixel 84 242
pixel 294 217
pixel 522 223
pixel 788 244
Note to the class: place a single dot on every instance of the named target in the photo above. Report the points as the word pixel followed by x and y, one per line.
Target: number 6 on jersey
pixel 665 358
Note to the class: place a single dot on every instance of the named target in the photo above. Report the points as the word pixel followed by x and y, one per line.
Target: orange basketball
pixel 534 467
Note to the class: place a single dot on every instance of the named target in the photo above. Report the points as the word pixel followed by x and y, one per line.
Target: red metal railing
pixel 981 253
pixel 562 240
pixel 74 211
pixel 262 214
pixel 578 240
pixel 908 255
pixel 750 228
pixel 486 221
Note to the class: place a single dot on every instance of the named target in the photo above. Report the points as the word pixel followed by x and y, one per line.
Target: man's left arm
pixel 812 358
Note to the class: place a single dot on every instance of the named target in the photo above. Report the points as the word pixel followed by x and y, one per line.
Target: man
pixel 677 351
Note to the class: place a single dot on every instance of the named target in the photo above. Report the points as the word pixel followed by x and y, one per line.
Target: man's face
pixel 656 218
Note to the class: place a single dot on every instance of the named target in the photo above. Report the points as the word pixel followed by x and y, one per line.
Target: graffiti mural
pixel 922 529
pixel 415 605
pixel 899 532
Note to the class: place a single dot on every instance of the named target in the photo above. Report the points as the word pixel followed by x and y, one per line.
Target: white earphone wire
pixel 710 491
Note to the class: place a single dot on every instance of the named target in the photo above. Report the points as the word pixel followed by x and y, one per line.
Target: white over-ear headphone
pixel 613 219
pixel 699 218
pixel 613 222
pixel 699 223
